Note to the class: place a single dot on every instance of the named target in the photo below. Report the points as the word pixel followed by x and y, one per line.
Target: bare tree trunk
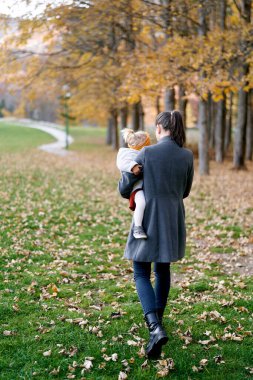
pixel 202 122
pixel 229 120
pixel 182 103
pixel 166 16
pixel 223 13
pixel 240 132
pixel 220 130
pixel 211 112
pixel 115 132
pixel 158 109
pixel 141 116
pixel 123 123
pixel 136 116
pixel 203 139
pixel 220 120
pixel 169 99
pixel 249 129
pixel 109 130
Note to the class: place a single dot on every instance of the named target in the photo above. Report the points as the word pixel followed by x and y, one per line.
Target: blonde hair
pixel 135 140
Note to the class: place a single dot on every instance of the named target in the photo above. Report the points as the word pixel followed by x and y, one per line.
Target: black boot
pixel 158 336
pixel 159 313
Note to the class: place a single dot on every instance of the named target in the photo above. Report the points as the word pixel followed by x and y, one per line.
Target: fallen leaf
pixel 8 333
pixel 122 376
pixel 87 365
pixel 203 362
pixel 47 353
pixel 114 357
pixel 132 343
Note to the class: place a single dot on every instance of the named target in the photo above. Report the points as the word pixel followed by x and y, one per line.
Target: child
pixel 126 162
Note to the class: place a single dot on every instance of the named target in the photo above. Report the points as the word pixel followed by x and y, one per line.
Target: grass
pixel 67 296
pixel 87 139
pixel 21 139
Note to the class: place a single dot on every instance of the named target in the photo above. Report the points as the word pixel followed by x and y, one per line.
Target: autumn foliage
pixel 115 54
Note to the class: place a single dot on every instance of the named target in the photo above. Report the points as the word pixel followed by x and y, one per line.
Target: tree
pixel 220 121
pixel 203 127
pixel 240 133
pixel 249 129
pixel 114 54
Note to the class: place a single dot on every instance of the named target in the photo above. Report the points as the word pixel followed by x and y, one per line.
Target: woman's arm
pixel 189 179
pixel 140 159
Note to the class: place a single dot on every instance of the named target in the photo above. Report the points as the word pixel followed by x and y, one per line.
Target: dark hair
pixel 173 122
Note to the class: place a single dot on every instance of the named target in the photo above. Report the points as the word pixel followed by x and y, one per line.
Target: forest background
pixel 68 302
pixel 111 62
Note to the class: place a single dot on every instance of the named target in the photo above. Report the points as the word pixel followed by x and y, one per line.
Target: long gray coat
pixel 168 174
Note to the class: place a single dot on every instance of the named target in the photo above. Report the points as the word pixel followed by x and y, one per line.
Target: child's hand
pixel 137 169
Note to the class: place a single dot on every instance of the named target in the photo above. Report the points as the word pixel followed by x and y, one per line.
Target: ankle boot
pixel 157 338
pixel 159 313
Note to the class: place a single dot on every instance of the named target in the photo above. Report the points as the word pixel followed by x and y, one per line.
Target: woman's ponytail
pixel 173 122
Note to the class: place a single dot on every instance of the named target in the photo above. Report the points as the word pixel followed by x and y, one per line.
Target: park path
pixel 58 147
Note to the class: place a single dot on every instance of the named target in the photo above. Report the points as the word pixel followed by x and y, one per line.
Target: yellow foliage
pixel 117 51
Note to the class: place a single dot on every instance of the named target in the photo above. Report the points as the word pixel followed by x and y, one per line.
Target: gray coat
pixel 168 174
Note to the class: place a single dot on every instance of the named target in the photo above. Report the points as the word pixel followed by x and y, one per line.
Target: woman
pixel 167 179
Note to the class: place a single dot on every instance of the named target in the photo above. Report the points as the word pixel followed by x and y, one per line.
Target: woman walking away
pixel 167 179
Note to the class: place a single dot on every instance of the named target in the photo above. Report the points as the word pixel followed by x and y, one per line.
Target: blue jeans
pixel 152 298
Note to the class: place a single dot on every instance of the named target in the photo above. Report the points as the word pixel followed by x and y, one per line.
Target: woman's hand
pixel 136 169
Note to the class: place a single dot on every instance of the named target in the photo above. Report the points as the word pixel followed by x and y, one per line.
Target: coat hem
pixel 154 261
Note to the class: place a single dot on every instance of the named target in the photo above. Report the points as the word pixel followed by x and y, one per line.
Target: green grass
pixel 62 234
pixel 15 138
pixel 87 138
pixel 221 249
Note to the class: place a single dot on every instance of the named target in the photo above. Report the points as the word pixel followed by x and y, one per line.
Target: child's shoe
pixel 139 233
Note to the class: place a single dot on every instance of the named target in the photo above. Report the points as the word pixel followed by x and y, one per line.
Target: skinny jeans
pixel 152 298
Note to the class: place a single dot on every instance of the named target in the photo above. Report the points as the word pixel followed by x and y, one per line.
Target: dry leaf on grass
pixel 122 376
pixel 47 353
pixel 8 333
pixel 87 364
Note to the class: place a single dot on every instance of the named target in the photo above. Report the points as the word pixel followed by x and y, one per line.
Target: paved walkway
pixel 52 129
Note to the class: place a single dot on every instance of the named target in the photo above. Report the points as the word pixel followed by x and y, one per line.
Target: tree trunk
pixel 240 132
pixel 136 116
pixel 211 114
pixel 182 103
pixel 228 130
pixel 123 123
pixel 220 129
pixel 220 119
pixel 203 139
pixel 115 132
pixel 141 116
pixel 223 13
pixel 109 130
pixel 203 126
pixel 158 109
pixel 169 99
pixel 249 130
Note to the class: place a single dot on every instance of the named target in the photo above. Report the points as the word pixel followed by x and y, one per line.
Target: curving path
pixel 58 147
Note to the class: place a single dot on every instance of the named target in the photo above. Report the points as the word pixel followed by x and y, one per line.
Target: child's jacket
pixel 126 161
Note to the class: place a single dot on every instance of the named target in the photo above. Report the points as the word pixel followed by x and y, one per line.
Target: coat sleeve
pixel 126 183
pixel 140 159
pixel 189 179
